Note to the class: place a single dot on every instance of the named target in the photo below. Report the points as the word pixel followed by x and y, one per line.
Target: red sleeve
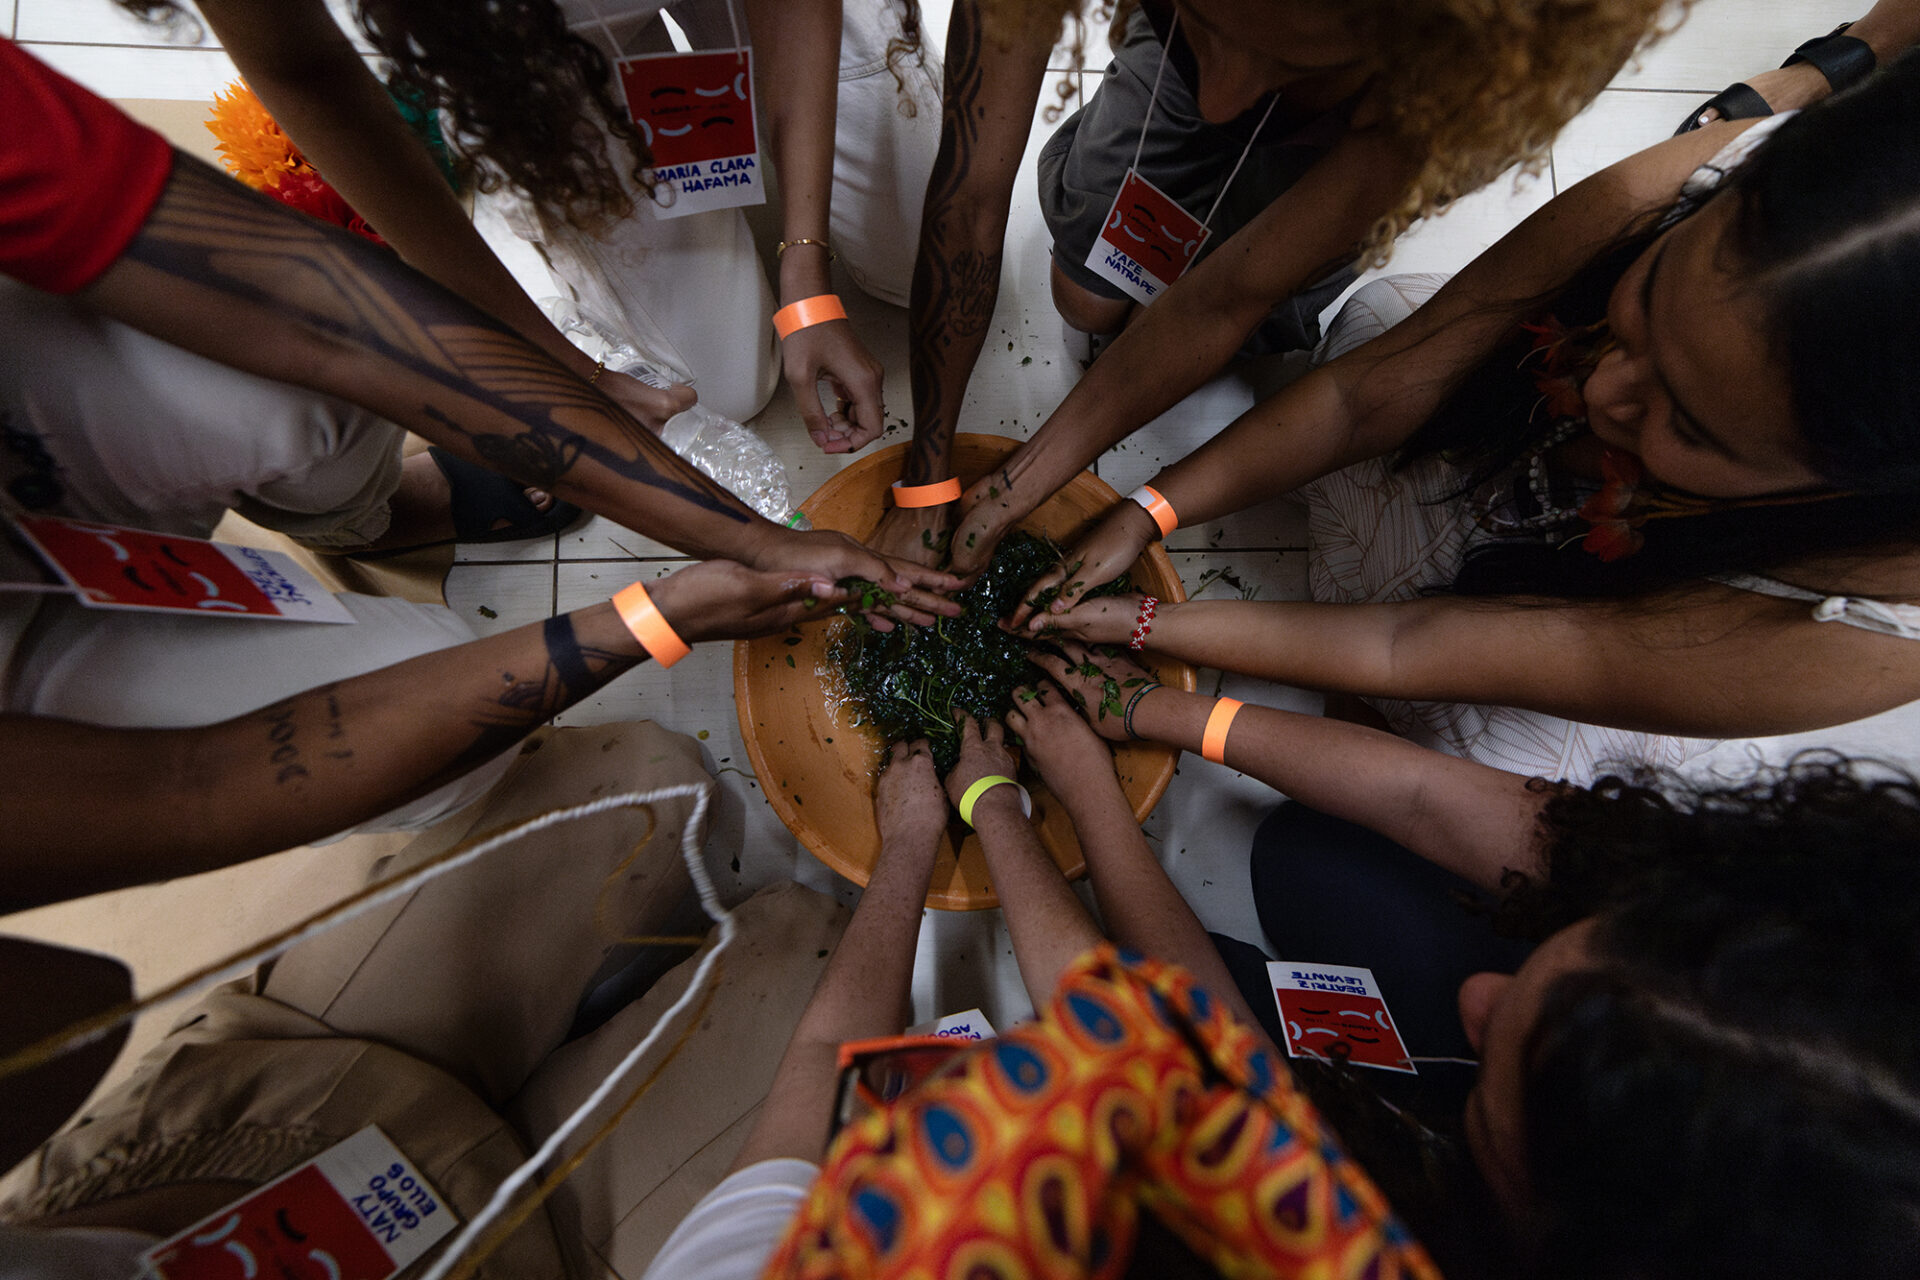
pixel 77 177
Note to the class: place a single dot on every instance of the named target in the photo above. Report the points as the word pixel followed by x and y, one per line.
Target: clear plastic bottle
pixel 724 449
pixel 732 455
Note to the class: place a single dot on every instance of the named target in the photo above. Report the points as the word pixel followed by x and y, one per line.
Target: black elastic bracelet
pixel 563 652
pixel 1145 689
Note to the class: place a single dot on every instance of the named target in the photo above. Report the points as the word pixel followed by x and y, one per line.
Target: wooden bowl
pixel 817 767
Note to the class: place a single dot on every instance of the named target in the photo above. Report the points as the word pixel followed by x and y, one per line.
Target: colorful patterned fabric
pixel 1032 1155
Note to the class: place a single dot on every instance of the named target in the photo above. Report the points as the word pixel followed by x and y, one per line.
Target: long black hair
pixel 1733 1087
pixel 1826 230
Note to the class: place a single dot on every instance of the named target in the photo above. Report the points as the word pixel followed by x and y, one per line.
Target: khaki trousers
pixel 441 1018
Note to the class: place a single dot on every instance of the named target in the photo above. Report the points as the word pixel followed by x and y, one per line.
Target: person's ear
pixel 1478 996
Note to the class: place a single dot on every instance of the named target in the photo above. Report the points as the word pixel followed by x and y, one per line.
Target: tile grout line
pixel 163 47
pixel 1654 89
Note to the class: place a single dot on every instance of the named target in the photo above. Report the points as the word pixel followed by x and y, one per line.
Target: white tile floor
pixel 1204 824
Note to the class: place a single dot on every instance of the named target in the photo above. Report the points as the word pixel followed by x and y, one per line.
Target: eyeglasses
pixel 875 1072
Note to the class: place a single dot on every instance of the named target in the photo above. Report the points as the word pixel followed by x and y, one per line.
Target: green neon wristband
pixel 983 785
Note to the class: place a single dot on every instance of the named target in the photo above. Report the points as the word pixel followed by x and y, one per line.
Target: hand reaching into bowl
pixel 983 753
pixel 723 600
pixel 1065 753
pixel 917 535
pixel 1100 557
pixel 989 511
pixel 1102 686
pixel 909 806
pixel 1106 620
pixel 918 590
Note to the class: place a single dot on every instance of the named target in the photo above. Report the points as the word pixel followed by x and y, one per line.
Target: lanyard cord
pixel 733 22
pixel 605 29
pixel 1154 97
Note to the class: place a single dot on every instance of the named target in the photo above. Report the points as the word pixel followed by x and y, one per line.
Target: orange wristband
pixel 939 493
pixel 1213 743
pixel 808 312
pixel 655 634
pixel 1158 507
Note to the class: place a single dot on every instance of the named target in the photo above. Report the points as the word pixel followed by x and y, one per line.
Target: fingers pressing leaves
pixel 909 682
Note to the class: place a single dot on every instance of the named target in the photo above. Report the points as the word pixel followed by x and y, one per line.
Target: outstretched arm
pixel 1363 405
pixel 231 275
pixel 318 88
pixel 986 113
pixel 1706 663
pixel 1171 348
pixel 1477 822
pixel 865 991
pixel 1048 924
pixel 1142 908
pixel 161 803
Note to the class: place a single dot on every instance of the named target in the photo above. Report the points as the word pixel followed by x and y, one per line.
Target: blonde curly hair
pixel 1473 86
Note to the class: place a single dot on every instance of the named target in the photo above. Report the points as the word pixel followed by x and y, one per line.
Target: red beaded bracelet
pixel 1144 623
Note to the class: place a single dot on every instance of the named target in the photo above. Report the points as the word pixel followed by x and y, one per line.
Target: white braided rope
pixel 245 961
pixel 710 901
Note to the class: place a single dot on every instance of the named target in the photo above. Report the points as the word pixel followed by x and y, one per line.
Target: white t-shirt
pixel 735 1228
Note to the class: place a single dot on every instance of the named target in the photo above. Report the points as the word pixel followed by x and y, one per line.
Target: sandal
pixel 1844 60
pixel 480 500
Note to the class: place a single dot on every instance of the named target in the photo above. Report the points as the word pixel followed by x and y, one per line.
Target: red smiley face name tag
pixel 695 112
pixel 1147 242
pixel 1335 1013
pixel 112 567
pixel 356 1211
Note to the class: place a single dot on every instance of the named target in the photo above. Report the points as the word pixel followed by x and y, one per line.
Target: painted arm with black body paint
pixel 161 803
pixel 232 276
pixel 986 114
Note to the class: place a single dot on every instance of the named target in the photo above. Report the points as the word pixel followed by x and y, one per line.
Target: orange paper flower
pixel 253 147
pixel 258 152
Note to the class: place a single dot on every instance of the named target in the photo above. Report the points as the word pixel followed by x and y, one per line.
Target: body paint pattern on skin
pixel 215 235
pixel 954 290
pixel 571 672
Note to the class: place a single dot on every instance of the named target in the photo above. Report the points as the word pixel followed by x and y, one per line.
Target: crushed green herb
pixel 910 681
pixel 867 596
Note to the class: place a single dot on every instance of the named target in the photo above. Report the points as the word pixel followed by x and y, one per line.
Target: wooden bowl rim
pixel 801 824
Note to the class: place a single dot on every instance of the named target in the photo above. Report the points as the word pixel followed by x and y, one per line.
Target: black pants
pixel 1330 892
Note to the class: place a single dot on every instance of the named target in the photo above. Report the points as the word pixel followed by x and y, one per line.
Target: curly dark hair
pixel 1472 88
pixel 513 81
pixel 528 100
pixel 1733 1087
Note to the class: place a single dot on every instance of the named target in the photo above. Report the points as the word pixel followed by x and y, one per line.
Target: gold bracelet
pixel 780 249
pixel 599 367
